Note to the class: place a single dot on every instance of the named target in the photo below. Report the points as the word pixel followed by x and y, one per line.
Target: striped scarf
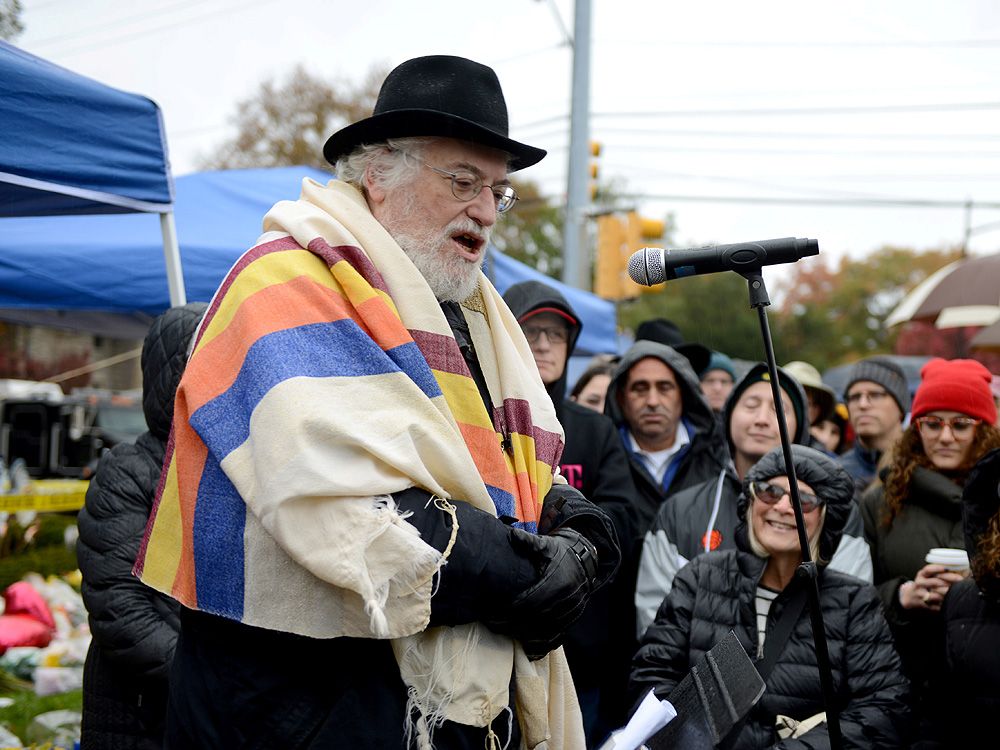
pixel 324 378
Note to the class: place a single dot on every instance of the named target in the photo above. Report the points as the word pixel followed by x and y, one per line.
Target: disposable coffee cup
pixel 952 559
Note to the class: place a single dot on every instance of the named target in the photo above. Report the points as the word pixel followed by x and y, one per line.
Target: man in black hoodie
pixel 668 430
pixel 594 462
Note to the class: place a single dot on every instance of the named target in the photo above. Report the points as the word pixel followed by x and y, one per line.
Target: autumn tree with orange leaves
pixel 829 316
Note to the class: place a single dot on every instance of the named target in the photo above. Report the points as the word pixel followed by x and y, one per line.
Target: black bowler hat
pixel 438 95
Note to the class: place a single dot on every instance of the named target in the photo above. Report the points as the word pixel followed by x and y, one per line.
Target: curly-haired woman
pixel 918 507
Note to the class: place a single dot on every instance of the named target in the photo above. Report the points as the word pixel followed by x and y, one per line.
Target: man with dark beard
pixel 360 511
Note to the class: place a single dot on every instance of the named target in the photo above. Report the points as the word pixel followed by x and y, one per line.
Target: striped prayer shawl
pixel 325 377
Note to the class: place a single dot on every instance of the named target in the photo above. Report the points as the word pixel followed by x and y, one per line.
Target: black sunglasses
pixel 772 493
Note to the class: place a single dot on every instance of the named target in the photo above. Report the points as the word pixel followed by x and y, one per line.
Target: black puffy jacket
pixel 966 700
pixel 715 593
pixel 134 627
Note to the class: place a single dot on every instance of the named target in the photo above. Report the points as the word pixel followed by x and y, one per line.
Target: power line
pixel 880 153
pixel 855 202
pixel 129 36
pixel 770 111
pixel 77 33
pixel 666 44
pixel 801 134
pixel 839 110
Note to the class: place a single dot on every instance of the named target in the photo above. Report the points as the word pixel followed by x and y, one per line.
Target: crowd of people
pixel 374 511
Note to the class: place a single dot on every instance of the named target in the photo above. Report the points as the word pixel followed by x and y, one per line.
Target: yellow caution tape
pixel 49 495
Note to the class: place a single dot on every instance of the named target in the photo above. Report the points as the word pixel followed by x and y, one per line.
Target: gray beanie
pixel 887 374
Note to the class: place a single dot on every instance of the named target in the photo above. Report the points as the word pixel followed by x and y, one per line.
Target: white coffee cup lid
pixel 952 558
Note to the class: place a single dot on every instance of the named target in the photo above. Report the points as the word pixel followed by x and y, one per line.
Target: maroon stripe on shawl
pixel 515 415
pixel 441 352
pixel 353 255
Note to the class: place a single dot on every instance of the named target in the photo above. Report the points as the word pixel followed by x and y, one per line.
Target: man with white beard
pixel 360 509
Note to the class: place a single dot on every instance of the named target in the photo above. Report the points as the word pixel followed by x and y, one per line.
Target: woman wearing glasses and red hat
pixel 918 507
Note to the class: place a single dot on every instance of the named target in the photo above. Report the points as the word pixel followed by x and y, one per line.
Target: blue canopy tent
pixel 104 274
pixel 70 145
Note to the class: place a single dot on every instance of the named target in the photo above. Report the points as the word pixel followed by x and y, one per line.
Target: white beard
pixel 451 277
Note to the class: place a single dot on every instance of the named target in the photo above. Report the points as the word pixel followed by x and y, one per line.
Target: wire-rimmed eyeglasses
pixel 467 185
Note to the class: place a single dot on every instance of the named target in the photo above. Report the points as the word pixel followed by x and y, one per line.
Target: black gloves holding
pixel 578 550
pixel 531 587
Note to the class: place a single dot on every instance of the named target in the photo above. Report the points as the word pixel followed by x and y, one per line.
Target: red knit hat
pixel 961 385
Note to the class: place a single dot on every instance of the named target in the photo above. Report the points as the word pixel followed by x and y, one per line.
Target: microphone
pixel 654 265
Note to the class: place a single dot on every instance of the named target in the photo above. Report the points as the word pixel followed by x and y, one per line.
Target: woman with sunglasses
pixel 752 590
pixel 917 507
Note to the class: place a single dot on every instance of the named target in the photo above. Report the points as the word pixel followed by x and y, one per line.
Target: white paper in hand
pixel 649 718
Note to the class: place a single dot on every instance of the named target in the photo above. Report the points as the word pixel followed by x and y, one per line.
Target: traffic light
pixel 595 151
pixel 612 244
pixel 641 232
pixel 618 236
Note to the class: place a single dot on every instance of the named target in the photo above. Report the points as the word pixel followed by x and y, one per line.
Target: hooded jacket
pixel 716 593
pixel 704 517
pixel 528 296
pixel 599 646
pixel 967 698
pixel 134 627
pixel 702 459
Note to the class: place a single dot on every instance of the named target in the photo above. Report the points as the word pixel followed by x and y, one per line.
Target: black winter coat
pixel 966 700
pixel 931 517
pixel 134 628
pixel 715 593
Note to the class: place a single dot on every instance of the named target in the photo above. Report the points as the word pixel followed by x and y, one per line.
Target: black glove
pixel 566 507
pixel 540 616
pixel 531 587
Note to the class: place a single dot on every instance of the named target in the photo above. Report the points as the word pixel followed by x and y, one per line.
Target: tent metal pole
pixel 172 257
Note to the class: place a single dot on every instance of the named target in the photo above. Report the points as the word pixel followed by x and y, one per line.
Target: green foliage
pixel 533 231
pixel 46 561
pixel 27 706
pixel 830 317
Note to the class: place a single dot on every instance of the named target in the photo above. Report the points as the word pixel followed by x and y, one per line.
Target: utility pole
pixel 575 265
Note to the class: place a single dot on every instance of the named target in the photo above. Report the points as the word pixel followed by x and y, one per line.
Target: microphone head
pixel 646 266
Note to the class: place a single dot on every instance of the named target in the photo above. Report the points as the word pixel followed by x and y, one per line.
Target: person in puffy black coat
pixel 600 645
pixel 918 507
pixel 134 627
pixel 737 589
pixel 967 698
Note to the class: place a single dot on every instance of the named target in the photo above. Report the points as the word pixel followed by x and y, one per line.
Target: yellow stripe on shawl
pixel 281 267
pixel 163 551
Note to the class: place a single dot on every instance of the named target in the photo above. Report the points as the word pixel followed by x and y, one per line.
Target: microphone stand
pixel 807 569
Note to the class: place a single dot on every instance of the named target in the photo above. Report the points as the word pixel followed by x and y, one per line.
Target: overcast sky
pixel 896 100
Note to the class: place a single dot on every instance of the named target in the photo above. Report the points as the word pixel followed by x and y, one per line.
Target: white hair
pixel 390 164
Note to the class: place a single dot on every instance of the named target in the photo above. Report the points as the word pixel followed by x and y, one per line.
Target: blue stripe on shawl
pixel 219 518
pixel 319 350
pixel 503 500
